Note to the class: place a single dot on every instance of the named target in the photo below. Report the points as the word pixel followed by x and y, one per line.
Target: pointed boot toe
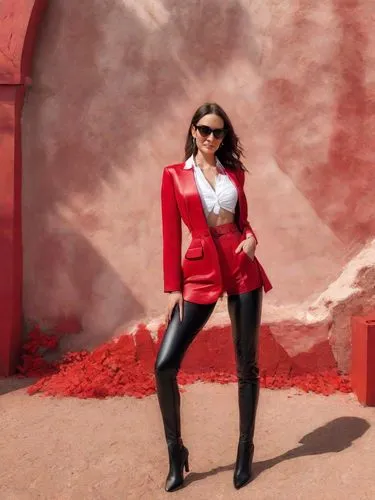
pixel 242 471
pixel 241 479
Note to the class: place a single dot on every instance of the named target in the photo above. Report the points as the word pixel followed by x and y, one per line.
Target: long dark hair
pixel 230 151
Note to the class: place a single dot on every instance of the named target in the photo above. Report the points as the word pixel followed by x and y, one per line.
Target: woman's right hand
pixel 173 299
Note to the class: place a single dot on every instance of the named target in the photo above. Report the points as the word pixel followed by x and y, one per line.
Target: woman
pixel 206 192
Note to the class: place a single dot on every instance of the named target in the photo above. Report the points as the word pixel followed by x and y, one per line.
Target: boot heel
pixel 178 461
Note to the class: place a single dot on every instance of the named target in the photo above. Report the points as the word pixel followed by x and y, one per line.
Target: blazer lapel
pixel 190 194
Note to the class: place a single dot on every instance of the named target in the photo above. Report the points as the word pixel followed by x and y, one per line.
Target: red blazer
pixel 198 276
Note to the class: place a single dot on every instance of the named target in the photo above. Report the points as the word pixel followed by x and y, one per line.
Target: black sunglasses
pixel 206 131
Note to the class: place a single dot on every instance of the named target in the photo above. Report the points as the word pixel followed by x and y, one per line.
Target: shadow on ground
pixel 333 437
pixel 10 384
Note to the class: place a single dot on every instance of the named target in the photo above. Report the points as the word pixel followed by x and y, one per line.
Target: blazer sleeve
pixel 248 230
pixel 171 223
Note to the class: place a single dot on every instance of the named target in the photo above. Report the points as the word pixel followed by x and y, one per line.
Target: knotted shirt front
pixel 223 196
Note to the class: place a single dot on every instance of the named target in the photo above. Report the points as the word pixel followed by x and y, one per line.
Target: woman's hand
pixel 173 299
pixel 248 246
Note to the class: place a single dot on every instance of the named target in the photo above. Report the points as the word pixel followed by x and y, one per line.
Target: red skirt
pixel 239 273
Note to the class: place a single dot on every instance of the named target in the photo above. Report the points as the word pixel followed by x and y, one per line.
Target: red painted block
pixel 363 359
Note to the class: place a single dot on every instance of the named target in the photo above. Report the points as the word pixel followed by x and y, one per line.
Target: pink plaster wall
pixel 115 84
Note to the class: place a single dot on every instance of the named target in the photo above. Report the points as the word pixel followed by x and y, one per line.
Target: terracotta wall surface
pixel 115 85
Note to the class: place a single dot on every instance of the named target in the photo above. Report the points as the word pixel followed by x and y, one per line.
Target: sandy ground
pixel 308 447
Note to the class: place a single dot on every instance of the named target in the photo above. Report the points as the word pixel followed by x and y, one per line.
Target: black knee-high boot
pixel 245 312
pixel 248 401
pixel 169 401
pixel 176 341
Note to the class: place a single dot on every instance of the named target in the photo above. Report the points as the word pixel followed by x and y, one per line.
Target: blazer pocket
pixel 194 253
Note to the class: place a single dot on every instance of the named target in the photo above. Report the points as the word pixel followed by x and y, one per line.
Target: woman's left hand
pixel 248 246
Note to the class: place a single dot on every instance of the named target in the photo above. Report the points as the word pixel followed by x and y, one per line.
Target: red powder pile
pixel 117 368
pixel 325 382
pixel 32 362
pixel 110 370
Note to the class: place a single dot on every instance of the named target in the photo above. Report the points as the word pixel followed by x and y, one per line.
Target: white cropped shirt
pixel 223 196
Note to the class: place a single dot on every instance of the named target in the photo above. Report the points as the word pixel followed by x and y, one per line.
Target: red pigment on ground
pixel 32 362
pixel 124 366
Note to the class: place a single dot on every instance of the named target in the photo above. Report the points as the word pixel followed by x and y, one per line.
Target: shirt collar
pixel 190 163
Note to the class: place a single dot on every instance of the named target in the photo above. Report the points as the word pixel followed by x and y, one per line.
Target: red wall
pixel 18 24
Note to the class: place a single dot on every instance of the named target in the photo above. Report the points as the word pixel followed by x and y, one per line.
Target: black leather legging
pixel 245 312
